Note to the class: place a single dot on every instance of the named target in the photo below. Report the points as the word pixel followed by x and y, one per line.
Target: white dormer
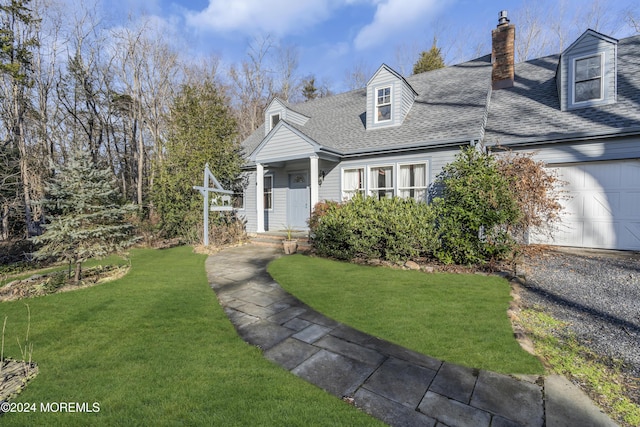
pixel 587 72
pixel 389 98
pixel 278 110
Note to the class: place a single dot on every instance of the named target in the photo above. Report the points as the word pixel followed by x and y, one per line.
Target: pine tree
pixel 309 89
pixel 87 220
pixel 431 60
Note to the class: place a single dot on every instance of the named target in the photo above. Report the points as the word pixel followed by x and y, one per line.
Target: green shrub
pixel 367 228
pixel 474 210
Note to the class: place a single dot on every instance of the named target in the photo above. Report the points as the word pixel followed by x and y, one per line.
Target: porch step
pixel 274 239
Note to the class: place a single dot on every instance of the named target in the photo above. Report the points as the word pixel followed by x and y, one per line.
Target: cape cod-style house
pixel 578 110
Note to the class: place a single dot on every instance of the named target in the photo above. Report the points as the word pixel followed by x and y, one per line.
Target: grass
pixel 459 318
pixel 600 376
pixel 155 348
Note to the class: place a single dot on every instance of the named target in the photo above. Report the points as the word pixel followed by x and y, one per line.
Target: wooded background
pixel 153 116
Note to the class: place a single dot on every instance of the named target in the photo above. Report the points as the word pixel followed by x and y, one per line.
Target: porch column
pixel 314 181
pixel 260 197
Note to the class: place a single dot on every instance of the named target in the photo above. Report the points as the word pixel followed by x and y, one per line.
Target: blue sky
pixel 333 36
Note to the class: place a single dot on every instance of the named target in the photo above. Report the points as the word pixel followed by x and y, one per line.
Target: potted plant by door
pixel 290 244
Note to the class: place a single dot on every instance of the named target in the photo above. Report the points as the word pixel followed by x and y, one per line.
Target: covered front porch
pixel 287 193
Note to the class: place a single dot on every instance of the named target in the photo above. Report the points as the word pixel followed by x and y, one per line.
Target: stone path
pixel 396 385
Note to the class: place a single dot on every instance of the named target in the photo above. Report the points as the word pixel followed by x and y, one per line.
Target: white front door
pixel 298 200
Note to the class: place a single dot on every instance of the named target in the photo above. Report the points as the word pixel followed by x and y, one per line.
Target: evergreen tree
pixel 309 89
pixel 429 60
pixel 87 218
pixel 202 130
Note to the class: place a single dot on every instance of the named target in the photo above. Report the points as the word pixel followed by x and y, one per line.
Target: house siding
pixel 249 212
pixel 407 102
pixel 585 151
pixel 285 144
pixel 330 186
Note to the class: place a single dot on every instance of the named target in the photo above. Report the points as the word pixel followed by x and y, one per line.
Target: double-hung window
pixel 268 192
pixel 381 181
pixel 412 181
pixel 383 104
pixel 352 182
pixel 588 79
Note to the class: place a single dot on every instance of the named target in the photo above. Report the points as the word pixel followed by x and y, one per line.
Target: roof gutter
pixel 568 138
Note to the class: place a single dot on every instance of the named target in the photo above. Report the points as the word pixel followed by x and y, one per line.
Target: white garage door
pixel 603 209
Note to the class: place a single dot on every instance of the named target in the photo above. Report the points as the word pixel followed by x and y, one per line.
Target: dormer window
pixel 383 104
pixel 588 79
pixel 275 118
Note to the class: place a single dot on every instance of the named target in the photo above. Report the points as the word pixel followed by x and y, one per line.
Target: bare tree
pixel 19 33
pixel 532 40
pixel 358 76
pixel 631 16
pixel 253 86
pixel 288 82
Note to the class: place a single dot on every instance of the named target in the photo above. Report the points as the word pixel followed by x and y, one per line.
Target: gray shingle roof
pixel 530 111
pixel 451 107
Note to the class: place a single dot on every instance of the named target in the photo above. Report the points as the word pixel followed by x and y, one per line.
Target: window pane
pixel 384 113
pixel 381 181
pixel 589 89
pixel 413 181
pixel 268 192
pixel 352 181
pixel 588 68
pixel 384 96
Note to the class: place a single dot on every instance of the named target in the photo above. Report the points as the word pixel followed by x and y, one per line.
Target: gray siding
pixel 276 218
pixel 408 96
pixel 249 211
pixel 284 145
pixel 330 188
pixel 587 46
pixel 586 151
pixel 295 118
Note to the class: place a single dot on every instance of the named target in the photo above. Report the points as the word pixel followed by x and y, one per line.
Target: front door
pixel 298 200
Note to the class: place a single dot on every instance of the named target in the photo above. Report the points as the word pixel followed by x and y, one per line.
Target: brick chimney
pixel 503 53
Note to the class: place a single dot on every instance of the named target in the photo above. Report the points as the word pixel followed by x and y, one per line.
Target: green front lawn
pixel 155 348
pixel 461 318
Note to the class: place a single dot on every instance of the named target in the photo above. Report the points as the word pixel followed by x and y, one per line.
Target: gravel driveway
pixel 598 293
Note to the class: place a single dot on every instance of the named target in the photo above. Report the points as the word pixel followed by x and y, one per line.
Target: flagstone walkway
pixel 396 385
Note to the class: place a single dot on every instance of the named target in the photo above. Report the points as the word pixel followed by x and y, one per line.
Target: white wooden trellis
pixel 225 200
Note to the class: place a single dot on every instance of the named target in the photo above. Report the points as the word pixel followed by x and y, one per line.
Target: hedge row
pixel 392 229
pixel 467 223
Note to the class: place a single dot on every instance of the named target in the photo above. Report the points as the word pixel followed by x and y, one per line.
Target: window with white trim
pixel 587 78
pixel 381 181
pixel 383 104
pixel 352 182
pixel 412 181
pixel 268 192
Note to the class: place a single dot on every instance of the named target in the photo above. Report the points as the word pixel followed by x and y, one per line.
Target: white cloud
pixel 278 17
pixel 394 17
